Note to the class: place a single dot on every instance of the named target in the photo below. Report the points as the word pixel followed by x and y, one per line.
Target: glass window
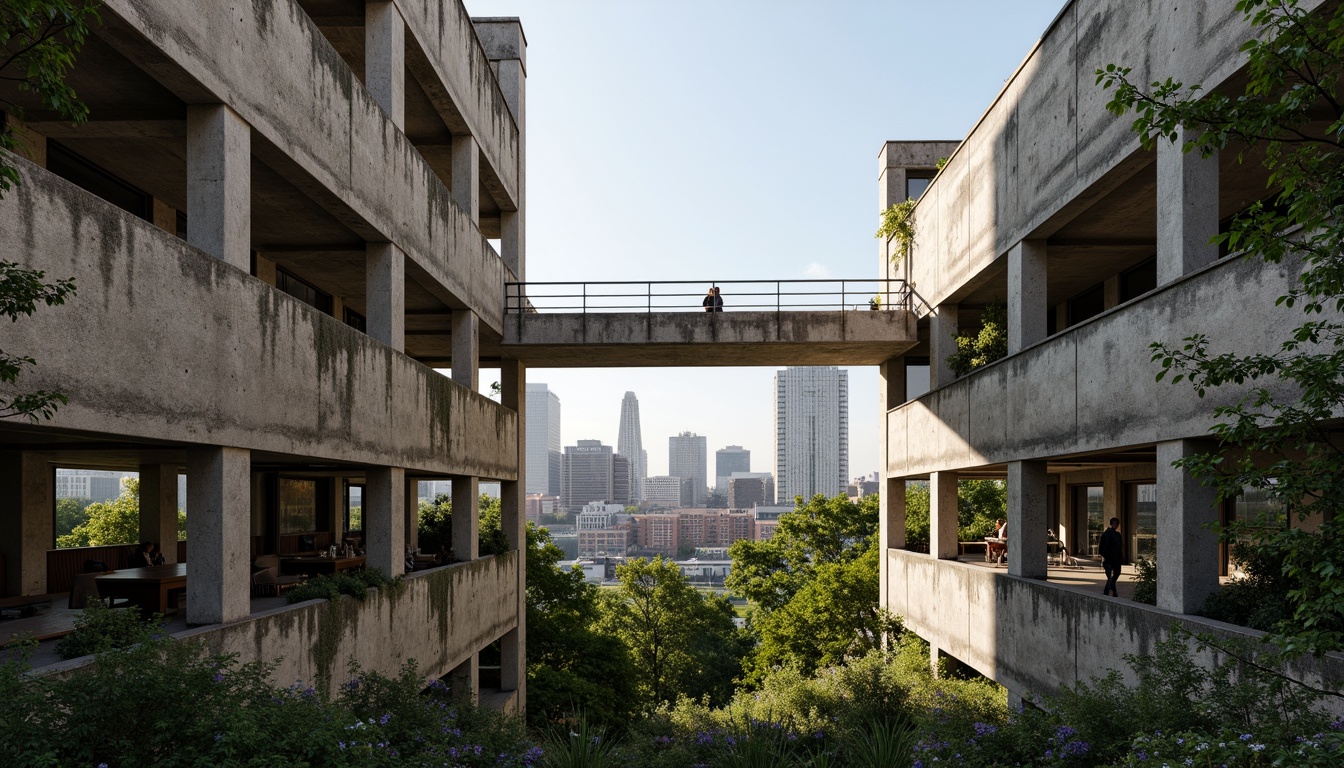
pixel 1143 531
pixel 915 186
pixel 298 505
pixel 354 507
pixel 302 290
pixel 1138 280
pixel 1089 303
pixel 84 174
pixel 355 320
pixel 1090 512
pixel 1262 513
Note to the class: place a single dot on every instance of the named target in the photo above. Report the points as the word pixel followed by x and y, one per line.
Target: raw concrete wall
pixel 165 342
pixel 1039 152
pixel 1030 636
pixel 316 124
pixel 1093 386
pixel 853 337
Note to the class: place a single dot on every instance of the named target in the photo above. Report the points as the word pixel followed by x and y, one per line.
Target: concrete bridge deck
pixel 595 325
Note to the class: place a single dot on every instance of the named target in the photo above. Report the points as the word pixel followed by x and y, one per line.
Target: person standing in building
pixel 708 302
pixel 1111 548
pixel 718 300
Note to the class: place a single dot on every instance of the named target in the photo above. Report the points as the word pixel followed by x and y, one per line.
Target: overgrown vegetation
pixel 100 628
pixel 1278 438
pixel 898 224
pixel 112 522
pixel 979 504
pixel 982 346
pixel 356 584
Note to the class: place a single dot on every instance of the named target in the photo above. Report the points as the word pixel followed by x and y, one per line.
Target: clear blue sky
pixel 734 139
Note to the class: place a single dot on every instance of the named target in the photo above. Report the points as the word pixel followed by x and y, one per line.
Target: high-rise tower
pixel 543 441
pixel 811 432
pixel 728 460
pixel 687 457
pixel 630 444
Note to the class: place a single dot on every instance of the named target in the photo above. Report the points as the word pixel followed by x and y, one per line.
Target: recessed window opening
pixel 302 290
pixel 64 162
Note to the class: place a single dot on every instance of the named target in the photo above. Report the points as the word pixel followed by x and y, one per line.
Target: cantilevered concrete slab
pixel 597 340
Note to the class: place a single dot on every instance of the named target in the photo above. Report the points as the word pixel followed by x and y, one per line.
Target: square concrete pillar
pixel 1187 209
pixel 513 243
pixel 1026 294
pixel 466 348
pixel 1026 519
pixel 411 494
pixel 506 48
pixel 384 516
pixel 513 508
pixel 385 58
pixel 385 294
pixel 467 176
pixel 943 515
pixel 1110 292
pixel 219 183
pixel 219 514
pixel 466 678
pixel 1187 550
pixel 158 507
pixel 942 345
pixel 890 527
pixel 27 522
pixel 466 518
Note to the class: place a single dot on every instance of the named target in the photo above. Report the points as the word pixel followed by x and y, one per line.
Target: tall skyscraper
pixel 630 444
pixel 687 456
pixel 542 473
pixel 594 472
pixel 811 432
pixel 728 460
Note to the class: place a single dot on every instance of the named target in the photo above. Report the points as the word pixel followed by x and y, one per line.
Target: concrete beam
pixel 385 294
pixel 1026 294
pixel 219 183
pixel 1026 519
pixel 943 515
pixel 1187 552
pixel 943 331
pixel 385 58
pixel 384 513
pixel 1187 209
pixel 158 508
pixel 219 514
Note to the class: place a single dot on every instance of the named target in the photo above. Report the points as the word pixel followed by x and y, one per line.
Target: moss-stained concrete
pixel 438 617
pixel 234 361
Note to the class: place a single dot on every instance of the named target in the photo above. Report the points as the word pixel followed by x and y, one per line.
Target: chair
pixel 84 588
pixel 266 578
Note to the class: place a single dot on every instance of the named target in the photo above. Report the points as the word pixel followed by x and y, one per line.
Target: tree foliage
pixel 982 346
pixel 681 642
pixel 116 521
pixel 898 224
pixel 814 583
pixel 1278 436
pixel 70 513
pixel 979 504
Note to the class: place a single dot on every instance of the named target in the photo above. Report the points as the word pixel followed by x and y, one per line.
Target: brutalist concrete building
pixel 281 217
pixel 1098 247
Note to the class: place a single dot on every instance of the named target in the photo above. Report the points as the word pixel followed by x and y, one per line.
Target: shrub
pixel 100 628
pixel 331 586
pixel 1145 581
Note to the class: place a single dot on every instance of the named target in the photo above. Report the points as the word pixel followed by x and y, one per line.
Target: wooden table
pixel 155 588
pixel 313 566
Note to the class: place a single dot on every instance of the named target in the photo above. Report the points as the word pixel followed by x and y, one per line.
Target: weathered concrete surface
pixel 165 342
pixel 439 619
pixel 596 340
pixel 1092 387
pixel 322 129
pixel 1039 151
pixel 1030 636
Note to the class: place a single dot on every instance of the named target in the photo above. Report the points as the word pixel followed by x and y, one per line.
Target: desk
pixel 313 566
pixel 996 549
pixel 155 589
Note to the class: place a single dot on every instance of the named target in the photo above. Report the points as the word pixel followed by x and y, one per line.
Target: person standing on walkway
pixel 1111 548
pixel 708 302
pixel 718 300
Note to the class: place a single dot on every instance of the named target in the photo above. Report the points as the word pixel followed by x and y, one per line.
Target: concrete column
pixel 1111 291
pixel 466 518
pixel 158 507
pixel 219 502
pixel 513 508
pixel 891 499
pixel 467 176
pixel 411 494
pixel 513 243
pixel 164 216
pixel 27 529
pixel 219 183
pixel 943 515
pixel 1187 209
pixel 506 48
pixel 385 58
pixel 385 294
pixel 942 344
pixel 1187 551
pixel 1026 294
pixel 384 511
pixel 466 348
pixel 1026 519
pixel 467 675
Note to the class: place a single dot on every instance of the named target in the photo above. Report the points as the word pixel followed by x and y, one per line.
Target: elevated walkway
pixel 663 323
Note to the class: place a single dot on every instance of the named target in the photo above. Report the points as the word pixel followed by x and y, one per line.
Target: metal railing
pixel 687 296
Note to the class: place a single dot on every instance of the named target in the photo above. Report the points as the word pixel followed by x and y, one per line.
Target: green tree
pixel 38 43
pixel 435 525
pixel 982 346
pixel 979 504
pixel 116 521
pixel 1278 437
pixel 814 584
pixel 69 514
pixel 681 643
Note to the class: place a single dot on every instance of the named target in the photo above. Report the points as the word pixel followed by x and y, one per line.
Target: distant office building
pixel 594 472
pixel 540 504
pixel 766 519
pixel 863 486
pixel 630 443
pixel 597 514
pixel 93 484
pixel 543 441
pixel 667 532
pixel 747 489
pixel 687 456
pixel 664 491
pixel 728 460
pixel 811 432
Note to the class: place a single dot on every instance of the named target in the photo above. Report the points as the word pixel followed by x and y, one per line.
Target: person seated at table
pixel 410 560
pixel 155 554
pixel 443 556
pixel 144 555
pixel 1051 538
